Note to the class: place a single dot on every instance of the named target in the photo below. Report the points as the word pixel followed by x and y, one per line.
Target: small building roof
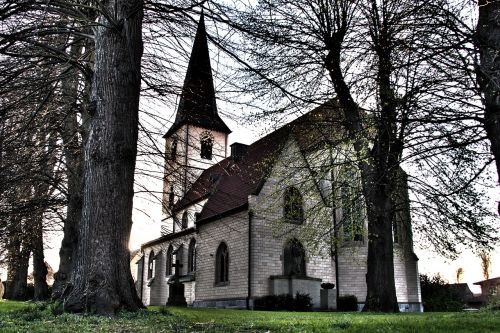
pixel 492 280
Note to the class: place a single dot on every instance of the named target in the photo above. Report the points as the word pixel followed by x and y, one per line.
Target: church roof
pixel 228 183
pixel 197 105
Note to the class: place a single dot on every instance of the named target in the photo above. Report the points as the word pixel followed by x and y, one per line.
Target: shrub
pixel 437 295
pixel 328 285
pixel 301 302
pixel 493 304
pixel 347 303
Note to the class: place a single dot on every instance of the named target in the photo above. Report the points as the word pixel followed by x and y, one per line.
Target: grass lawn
pixel 43 317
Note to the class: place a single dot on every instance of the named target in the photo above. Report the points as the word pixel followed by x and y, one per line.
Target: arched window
pixel 173 150
pixel 192 256
pixel 206 142
pixel 185 220
pixel 293 210
pixel 169 260
pixel 222 265
pixel 151 264
pixel 352 204
pixel 294 263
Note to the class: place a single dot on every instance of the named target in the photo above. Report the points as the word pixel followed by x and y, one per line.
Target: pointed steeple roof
pixel 197 105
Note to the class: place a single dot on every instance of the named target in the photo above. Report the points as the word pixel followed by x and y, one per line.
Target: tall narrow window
pixel 179 256
pixel 192 256
pixel 222 265
pixel 173 150
pixel 151 264
pixel 206 142
pixel 293 210
pixel 169 260
pixel 294 255
pixel 185 220
pixel 171 197
pixel 352 205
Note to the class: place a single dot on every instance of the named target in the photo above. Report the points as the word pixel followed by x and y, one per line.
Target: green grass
pixel 43 317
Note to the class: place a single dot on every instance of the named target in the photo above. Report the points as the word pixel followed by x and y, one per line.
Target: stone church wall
pixel 233 230
pixel 155 291
pixel 269 236
pixel 270 233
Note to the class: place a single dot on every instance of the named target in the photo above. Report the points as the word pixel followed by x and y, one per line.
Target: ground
pixel 43 317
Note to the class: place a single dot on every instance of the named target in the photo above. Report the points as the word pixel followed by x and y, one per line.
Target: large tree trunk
pixel 101 281
pixel 41 288
pixel 17 263
pixel 73 154
pixel 380 282
pixel 382 176
pixel 45 142
pixel 488 42
pixel 74 211
pixel 377 166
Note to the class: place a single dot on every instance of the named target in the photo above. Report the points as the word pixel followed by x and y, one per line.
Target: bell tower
pixel 198 137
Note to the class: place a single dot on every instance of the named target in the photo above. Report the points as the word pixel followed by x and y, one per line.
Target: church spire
pixel 197 105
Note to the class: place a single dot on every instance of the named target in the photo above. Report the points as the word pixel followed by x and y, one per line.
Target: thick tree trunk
pixel 101 281
pixel 73 154
pixel 73 215
pixel 17 267
pixel 383 167
pixel 41 292
pixel 375 166
pixel 488 42
pixel 380 282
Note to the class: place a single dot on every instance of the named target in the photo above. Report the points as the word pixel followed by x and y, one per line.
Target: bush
pixel 437 295
pixel 493 304
pixel 347 303
pixel 301 302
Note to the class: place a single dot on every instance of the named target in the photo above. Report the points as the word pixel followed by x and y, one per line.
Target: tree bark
pixel 41 288
pixel 42 189
pixel 488 42
pixel 18 261
pixel 377 166
pixel 101 281
pixel 73 154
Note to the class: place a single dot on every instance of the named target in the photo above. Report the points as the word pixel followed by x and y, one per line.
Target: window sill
pixel 221 284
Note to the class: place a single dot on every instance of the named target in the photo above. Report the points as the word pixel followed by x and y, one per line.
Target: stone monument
pixel 176 288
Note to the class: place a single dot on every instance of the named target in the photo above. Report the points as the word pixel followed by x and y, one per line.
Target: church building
pixel 280 216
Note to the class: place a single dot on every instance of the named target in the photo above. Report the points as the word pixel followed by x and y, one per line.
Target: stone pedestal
pixel 328 299
pixel 176 294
